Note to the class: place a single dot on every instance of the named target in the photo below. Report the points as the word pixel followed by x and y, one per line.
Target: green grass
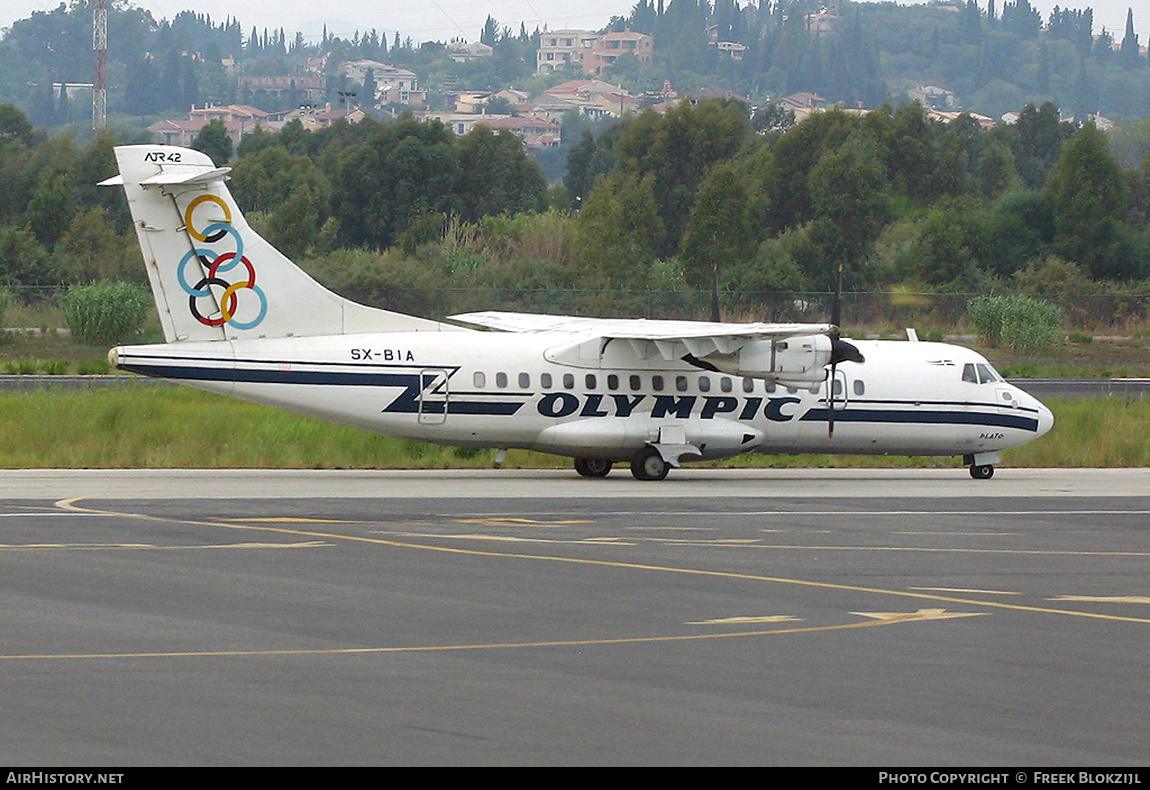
pixel 174 427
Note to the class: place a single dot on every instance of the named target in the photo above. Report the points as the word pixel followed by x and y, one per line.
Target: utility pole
pixel 99 65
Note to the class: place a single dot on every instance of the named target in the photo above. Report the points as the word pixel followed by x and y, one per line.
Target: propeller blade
pixel 841 350
pixel 837 304
pixel 831 403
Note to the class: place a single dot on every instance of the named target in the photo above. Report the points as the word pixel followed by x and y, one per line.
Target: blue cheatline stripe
pixel 931 417
pixel 406 402
pixel 187 373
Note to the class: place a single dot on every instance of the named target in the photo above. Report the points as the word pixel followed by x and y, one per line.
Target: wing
pixel 757 350
pixel 636 328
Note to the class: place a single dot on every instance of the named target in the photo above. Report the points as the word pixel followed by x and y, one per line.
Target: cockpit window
pixel 980 373
pixel 987 373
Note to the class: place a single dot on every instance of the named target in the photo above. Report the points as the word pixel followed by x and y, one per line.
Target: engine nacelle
pixel 801 359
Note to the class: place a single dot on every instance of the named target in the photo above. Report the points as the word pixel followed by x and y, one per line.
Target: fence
pixel 877 309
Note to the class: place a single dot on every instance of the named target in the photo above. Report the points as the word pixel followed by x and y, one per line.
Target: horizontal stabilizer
pixel 175 174
pixel 187 176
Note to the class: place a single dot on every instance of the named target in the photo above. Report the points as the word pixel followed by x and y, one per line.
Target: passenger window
pixel 545 380
pixel 657 383
pixel 771 386
pixel 590 381
pixel 858 386
pixel 568 381
pixel 636 383
pixel 525 380
pixel 748 385
pixel 612 381
pixel 501 380
pixel 725 384
pixel 479 380
pixel 704 384
pixel 681 383
pixel 838 388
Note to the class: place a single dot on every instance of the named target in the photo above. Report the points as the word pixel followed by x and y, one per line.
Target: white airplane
pixel 242 320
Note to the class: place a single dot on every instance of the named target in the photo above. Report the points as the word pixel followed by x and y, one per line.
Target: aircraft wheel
pixel 592 467
pixel 647 464
pixel 982 472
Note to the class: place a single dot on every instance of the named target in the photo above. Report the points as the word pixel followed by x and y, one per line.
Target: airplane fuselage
pixel 484 389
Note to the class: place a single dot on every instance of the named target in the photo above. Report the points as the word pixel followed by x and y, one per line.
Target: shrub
pixel 1016 322
pixel 105 312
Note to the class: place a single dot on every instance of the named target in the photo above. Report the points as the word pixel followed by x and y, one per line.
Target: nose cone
pixel 1045 420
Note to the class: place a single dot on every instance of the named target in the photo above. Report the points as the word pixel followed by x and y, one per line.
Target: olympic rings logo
pixel 219 264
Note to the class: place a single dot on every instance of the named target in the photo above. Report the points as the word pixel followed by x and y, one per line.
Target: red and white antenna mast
pixel 99 65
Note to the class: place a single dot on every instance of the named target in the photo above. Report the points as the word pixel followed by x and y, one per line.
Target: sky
pixel 443 20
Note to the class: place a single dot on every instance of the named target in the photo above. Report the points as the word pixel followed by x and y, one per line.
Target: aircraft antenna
pixel 99 65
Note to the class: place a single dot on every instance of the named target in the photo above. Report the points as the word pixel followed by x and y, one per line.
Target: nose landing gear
pixel 981 465
pixel 981 472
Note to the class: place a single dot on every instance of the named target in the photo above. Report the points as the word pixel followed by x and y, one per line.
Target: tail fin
pixel 215 279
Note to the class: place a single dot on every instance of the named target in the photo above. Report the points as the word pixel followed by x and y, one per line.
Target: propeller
pixel 841 350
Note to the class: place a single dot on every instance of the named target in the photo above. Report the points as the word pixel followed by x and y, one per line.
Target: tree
pixel 213 140
pixel 677 149
pixel 90 249
pixel 619 233
pixel 23 260
pixel 1037 139
pixel 1085 193
pixel 52 205
pixel 1128 56
pixel 580 178
pixel 490 33
pixel 402 170
pixel 851 205
pixel 496 176
pixel 772 118
pixel 369 87
pixel 265 180
pixel 996 173
pixel 787 178
pixel 14 126
pixel 722 229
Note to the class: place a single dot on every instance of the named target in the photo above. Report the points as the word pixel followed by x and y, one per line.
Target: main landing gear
pixel 592 467
pixel 647 464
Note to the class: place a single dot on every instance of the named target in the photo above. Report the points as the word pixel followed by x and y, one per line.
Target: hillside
pixel 986 59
